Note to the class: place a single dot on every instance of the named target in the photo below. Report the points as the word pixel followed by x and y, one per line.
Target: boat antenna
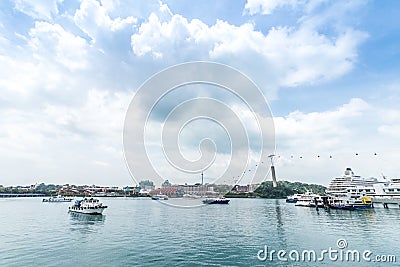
pixel 202 183
pixel 274 183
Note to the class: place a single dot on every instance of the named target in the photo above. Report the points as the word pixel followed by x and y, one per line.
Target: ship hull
pixel 57 200
pixel 216 201
pixel 95 211
pixel 350 207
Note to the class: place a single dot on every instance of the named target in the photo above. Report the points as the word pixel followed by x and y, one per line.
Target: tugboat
pixel 57 199
pixel 218 200
pixel 88 206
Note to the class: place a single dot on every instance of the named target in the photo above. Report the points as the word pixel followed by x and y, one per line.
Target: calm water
pixel 142 232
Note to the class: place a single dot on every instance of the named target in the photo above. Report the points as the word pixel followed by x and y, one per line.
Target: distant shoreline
pixel 264 190
pixel 16 195
pixel 11 195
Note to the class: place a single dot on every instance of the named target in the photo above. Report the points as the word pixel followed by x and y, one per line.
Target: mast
pixel 202 183
pixel 274 183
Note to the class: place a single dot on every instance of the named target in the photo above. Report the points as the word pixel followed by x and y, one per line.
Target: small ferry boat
pixel 57 199
pixel 218 200
pixel 308 199
pixel 159 197
pixel 293 198
pixel 88 206
pixel 364 202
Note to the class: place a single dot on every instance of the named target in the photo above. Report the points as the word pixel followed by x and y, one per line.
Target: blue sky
pixel 329 70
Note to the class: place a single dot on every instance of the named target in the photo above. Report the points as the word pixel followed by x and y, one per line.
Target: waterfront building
pixel 171 190
pixel 198 189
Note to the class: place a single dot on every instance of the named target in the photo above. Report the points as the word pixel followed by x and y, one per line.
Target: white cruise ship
pixel 353 186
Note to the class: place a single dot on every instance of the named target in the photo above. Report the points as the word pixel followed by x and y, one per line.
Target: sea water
pixel 144 232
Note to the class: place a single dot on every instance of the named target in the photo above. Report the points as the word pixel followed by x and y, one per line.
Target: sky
pixel 328 70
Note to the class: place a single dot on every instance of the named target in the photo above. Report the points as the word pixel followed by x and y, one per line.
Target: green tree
pixel 285 188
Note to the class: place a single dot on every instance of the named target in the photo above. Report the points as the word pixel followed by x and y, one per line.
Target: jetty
pixel 386 201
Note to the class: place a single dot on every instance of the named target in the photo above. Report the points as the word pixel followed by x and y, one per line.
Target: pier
pixel 386 201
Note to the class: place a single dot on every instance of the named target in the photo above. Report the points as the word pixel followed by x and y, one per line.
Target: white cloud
pixel 42 62
pixel 53 42
pixel 94 20
pixel 38 9
pixel 100 117
pixel 160 38
pixel 138 9
pixel 282 57
pixel 16 77
pixel 389 119
pixel 319 130
pixel 329 141
pixel 266 7
pixel 390 115
pixel 65 141
pixel 66 82
pixel 389 130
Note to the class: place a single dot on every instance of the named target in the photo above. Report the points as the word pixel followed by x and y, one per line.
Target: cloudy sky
pixel 69 69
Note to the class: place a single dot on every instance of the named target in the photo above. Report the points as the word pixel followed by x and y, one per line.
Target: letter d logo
pixel 260 253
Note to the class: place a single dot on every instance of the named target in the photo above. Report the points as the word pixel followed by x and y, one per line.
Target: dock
pixel 386 201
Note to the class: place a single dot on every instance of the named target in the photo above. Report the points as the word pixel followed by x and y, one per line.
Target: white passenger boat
pixel 308 199
pixel 57 199
pixel 293 198
pixel 88 206
pixel 159 197
pixel 364 202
